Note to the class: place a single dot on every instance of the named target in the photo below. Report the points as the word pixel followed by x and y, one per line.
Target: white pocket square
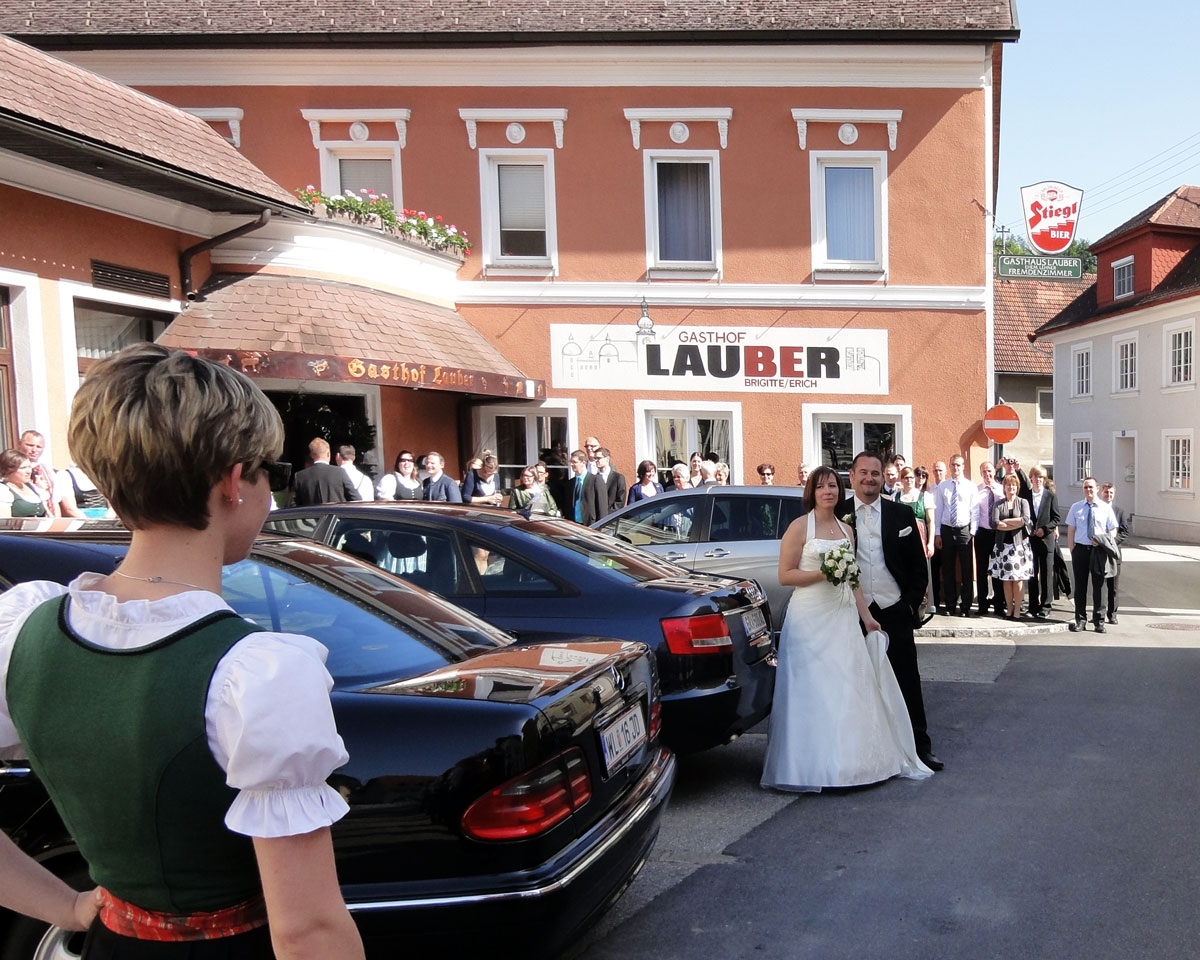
pixel 905 532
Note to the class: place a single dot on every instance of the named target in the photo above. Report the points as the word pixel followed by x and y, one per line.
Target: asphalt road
pixel 1062 826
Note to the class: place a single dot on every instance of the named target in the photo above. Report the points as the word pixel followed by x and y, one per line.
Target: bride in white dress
pixel 839 718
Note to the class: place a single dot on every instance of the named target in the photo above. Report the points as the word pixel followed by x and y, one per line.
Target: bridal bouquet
pixel 839 565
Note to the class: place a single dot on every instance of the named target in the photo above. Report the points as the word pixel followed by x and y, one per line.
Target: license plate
pixel 754 623
pixel 621 737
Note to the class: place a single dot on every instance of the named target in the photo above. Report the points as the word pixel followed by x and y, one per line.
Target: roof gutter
pixel 186 257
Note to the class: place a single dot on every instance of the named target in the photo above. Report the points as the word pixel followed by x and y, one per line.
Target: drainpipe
pixel 185 258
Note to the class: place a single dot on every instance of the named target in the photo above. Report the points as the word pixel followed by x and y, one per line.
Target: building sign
pixel 390 372
pixel 1051 211
pixel 1040 268
pixel 719 359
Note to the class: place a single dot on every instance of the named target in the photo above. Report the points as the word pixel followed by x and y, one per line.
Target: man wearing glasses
pixel 591 446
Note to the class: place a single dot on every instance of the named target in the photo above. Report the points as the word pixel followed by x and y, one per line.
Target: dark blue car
pixel 545 579
pixel 501 795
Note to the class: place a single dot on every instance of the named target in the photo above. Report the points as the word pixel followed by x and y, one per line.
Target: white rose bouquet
pixel 839 565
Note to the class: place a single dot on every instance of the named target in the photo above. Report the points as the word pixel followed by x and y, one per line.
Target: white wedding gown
pixel 839 718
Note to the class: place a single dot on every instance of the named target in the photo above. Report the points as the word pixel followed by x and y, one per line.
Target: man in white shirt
pixel 359 480
pixel 957 498
pixel 1086 519
pixel 591 447
pixel 990 594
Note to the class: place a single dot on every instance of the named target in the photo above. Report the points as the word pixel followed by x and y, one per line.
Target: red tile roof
pixel 515 19
pixel 1179 208
pixel 63 98
pixel 265 314
pixel 1020 307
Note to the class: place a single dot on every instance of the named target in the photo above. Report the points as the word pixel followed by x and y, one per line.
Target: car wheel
pixel 29 939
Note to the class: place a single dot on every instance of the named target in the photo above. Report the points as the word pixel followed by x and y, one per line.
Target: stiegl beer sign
pixel 719 359
pixel 1051 211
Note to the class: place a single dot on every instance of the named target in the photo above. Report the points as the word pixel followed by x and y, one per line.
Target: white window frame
pixel 489 196
pixel 1169 330
pixel 1180 435
pixel 331 151
pixel 1077 351
pixel 1119 272
pixel 644 412
pixel 1081 470
pixel 822 266
pixel 1125 386
pixel 656 268
pixel 812 415
pixel 485 420
pixel 1038 403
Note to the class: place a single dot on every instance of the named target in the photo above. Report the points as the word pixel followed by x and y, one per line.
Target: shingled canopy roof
pixel 56 112
pixel 299 327
pixel 190 22
pixel 1021 306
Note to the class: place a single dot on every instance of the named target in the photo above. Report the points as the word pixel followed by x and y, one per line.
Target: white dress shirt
pixel 268 719
pixel 878 584
pixel 983 507
pixel 968 497
pixel 1106 520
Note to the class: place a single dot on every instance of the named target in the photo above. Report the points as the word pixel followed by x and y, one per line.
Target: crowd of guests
pixel 992 544
pixel 30 488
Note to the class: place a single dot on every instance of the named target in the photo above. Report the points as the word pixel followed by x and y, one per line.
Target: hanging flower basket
pixel 376 211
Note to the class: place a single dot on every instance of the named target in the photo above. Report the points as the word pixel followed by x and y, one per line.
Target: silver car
pixel 729 530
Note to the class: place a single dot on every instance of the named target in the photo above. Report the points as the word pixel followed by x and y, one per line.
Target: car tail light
pixel 655 720
pixel 706 634
pixel 533 802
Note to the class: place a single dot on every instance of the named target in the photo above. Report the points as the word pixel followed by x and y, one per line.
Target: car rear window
pixel 602 552
pixel 376 628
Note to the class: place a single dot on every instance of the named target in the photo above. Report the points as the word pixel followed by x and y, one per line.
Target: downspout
pixel 185 258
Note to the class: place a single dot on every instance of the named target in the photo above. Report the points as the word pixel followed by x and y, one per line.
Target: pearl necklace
pixel 180 583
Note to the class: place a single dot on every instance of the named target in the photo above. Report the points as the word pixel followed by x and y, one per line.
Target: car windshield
pixel 376 627
pixel 603 552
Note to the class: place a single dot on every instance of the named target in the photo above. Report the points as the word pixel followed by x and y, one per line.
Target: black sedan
pixel 548 579
pixel 501 796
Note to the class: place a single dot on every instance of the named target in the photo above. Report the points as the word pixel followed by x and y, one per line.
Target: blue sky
pixel 1102 96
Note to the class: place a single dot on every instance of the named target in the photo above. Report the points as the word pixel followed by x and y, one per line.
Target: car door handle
pixel 718 553
pixel 672 555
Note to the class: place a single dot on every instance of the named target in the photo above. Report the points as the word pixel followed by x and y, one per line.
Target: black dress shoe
pixel 931 761
pixel 1100 627
pixel 1076 626
pixel 1111 618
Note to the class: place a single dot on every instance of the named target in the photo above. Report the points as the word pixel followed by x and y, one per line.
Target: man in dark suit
pixel 603 491
pixel 322 482
pixel 1046 517
pixel 894 578
pixel 1107 493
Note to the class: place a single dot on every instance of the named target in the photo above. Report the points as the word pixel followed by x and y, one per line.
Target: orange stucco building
pixel 694 231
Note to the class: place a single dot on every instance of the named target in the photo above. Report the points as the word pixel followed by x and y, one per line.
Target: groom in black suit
pixel 894 578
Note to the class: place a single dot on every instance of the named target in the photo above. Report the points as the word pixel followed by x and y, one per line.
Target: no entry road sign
pixel 1001 424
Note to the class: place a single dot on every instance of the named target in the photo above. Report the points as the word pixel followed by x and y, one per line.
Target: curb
pixel 948 627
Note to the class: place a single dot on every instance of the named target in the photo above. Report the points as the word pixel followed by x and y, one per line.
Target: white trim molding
pixel 678 117
pixel 230 115
pixel 806 115
pixel 788 295
pixel 802 65
pixel 515 116
pixel 812 414
pixel 398 116
pixel 643 410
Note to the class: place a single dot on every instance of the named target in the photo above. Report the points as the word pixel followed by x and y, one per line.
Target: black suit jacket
pixel 600 498
pixel 322 483
pixel 1048 518
pixel 903 554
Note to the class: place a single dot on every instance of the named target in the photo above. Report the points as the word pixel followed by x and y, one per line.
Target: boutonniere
pixel 848 519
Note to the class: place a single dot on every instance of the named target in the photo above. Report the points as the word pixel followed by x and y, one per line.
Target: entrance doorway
pixel 339 418
pixel 1125 472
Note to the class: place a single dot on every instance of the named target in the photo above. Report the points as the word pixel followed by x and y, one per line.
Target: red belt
pixel 129 920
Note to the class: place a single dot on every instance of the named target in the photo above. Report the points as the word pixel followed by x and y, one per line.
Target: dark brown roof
pixel 1183 281
pixel 264 316
pixel 1179 208
pixel 1020 307
pixel 57 112
pixel 510 21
